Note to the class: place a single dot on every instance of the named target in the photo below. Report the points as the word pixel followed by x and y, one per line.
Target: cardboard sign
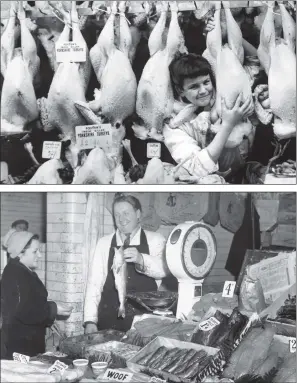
pixel 292 343
pixel 94 136
pixel 153 150
pixel 51 149
pixel 117 375
pixel 71 51
pixel 57 366
pixel 21 358
pixel 228 290
pixel 209 324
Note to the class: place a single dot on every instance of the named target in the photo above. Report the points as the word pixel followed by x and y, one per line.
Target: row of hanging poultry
pixel 119 95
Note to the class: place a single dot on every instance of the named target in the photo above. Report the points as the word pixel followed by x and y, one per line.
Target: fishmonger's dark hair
pixel 133 201
pixel 188 66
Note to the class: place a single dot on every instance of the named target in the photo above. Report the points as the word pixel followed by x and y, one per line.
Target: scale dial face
pixel 198 251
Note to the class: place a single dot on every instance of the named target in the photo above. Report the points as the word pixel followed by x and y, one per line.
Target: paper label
pixel 71 51
pixel 157 380
pixel 94 136
pixel 21 358
pixel 228 290
pixel 153 150
pixel 292 343
pixel 51 149
pixel 57 366
pixel 117 375
pixel 209 324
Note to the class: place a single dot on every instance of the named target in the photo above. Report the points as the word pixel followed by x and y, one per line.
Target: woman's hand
pixel 64 309
pixel 90 328
pixel 210 25
pixel 132 255
pixel 263 97
pixel 238 112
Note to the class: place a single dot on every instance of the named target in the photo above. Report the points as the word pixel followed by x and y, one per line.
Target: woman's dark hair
pixel 20 222
pixel 188 66
pixel 133 201
pixel 35 237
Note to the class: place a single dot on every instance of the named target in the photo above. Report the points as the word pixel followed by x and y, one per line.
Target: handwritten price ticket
pixel 57 367
pixel 51 150
pixel 228 290
pixel 71 51
pixel 20 358
pixel 153 150
pixel 94 136
pixel 209 324
pixel 292 343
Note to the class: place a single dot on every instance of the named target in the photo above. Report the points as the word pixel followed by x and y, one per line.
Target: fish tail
pixel 121 312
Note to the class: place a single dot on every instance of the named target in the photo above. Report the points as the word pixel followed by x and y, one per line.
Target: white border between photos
pixel 149 188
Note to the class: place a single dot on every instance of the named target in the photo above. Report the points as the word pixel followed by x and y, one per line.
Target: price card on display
pixel 292 343
pixel 228 290
pixel 21 358
pixel 57 367
pixel 209 324
pixel 51 150
pixel 71 51
pixel 117 375
pixel 94 136
pixel 153 150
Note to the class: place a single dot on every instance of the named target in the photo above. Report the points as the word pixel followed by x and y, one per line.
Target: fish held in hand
pixel 119 268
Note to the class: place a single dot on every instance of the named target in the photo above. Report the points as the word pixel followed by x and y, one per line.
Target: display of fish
pixel 119 268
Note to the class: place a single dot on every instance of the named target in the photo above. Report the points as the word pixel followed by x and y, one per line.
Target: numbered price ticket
pixel 51 150
pixel 209 324
pixel 94 136
pixel 21 358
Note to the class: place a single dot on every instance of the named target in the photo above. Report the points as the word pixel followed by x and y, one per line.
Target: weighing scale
pixel 190 253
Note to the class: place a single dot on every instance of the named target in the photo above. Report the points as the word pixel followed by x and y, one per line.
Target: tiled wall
pixel 65 228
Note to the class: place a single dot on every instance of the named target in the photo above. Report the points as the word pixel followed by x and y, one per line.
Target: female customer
pixel 144 256
pixel 26 312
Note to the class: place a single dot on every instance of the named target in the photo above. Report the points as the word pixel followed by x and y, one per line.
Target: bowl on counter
pixel 81 364
pixel 99 368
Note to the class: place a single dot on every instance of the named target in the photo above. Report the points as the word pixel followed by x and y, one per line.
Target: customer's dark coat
pixel 25 311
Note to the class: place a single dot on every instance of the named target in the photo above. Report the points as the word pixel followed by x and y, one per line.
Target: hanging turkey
pixel 231 78
pixel 19 68
pixel 278 58
pixel 116 98
pixel 155 95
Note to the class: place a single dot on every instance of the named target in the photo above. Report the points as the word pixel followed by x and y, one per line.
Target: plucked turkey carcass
pixel 70 82
pixel 280 63
pixel 19 67
pixel 116 98
pixel 232 80
pixel 155 95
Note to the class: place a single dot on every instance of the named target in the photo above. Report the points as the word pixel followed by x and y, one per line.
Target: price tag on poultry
pixel 71 51
pixel 21 358
pixel 228 290
pixel 153 150
pixel 57 367
pixel 94 136
pixel 51 150
pixel 117 376
pixel 209 324
pixel 292 343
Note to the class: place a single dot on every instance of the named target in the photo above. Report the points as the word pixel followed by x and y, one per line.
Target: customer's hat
pixel 17 242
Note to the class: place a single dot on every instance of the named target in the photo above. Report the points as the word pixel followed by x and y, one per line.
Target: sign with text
pixel 57 367
pixel 153 150
pixel 21 358
pixel 71 51
pixel 51 150
pixel 94 136
pixel 209 324
pixel 292 343
pixel 228 290
pixel 117 375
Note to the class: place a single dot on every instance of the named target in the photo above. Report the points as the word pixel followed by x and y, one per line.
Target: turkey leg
pixel 127 146
pixel 233 33
pixel 8 39
pixel 289 27
pixel 84 68
pixel 267 39
pixel 125 42
pixel 156 42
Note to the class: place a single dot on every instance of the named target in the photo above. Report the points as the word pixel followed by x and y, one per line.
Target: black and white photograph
pixel 148 287
pixel 148 92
